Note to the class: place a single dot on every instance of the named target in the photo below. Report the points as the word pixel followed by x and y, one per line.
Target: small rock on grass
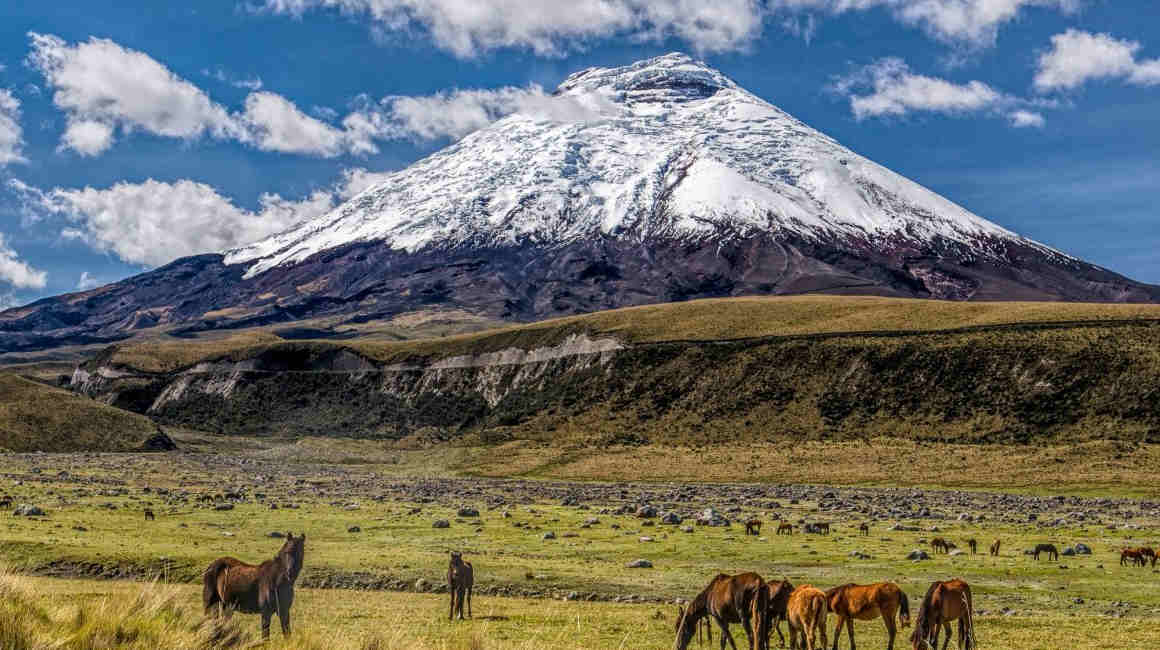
pixel 639 564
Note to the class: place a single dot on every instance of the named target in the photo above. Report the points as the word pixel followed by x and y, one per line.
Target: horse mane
pixel 289 559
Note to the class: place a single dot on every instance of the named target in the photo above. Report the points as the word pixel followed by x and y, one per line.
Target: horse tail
pixel 967 623
pixel 209 593
pixel 904 608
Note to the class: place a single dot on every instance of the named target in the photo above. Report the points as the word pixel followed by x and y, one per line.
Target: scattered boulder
pixel 354 529
pixel 28 510
pixel 646 512
pixel 918 554
pixel 224 506
pixel 467 511
pixel 1083 549
pixel 159 442
pixel 1069 551
pixel 441 523
pixel 549 535
pixel 639 564
pixel 276 535
pixel 670 518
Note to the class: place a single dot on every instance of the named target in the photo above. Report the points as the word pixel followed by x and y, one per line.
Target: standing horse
pixel 233 585
pixel 776 610
pixel 945 602
pixel 939 544
pixel 995 548
pixel 1049 549
pixel 728 599
pixel 864 529
pixel 785 528
pixel 866 603
pixel 460 580
pixel 753 527
pixel 807 611
pixel 974 544
pixel 1134 555
pixel 1147 553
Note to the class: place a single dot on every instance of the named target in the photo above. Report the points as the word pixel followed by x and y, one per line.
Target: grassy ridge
pixel 36 417
pixel 699 320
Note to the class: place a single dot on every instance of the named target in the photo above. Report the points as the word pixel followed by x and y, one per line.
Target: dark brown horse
pixel 1049 549
pixel 866 603
pixel 995 548
pixel 728 599
pixel 940 545
pixel 785 528
pixel 753 527
pixel 233 585
pixel 1147 553
pixel 945 602
pixel 149 516
pixel 460 581
pixel 974 544
pixel 776 609
pixel 864 529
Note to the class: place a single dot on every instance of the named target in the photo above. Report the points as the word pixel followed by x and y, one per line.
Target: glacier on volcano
pixel 671 149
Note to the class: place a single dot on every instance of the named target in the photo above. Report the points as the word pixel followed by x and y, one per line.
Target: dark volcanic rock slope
pixel 654 182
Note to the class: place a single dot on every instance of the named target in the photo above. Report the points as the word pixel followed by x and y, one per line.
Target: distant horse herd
pixel 231 585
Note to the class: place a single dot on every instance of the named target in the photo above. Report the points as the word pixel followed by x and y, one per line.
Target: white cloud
pixel 898 91
pixel 222 76
pixel 100 82
pixel 892 90
pixel 153 223
pixel 1022 119
pixel 87 281
pixel 11 135
pixel 972 22
pixel 468 29
pixel 106 89
pixel 457 113
pixel 16 272
pixel 1077 57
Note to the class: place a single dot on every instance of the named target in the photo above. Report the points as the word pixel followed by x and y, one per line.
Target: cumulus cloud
pixel 87 281
pixel 891 89
pixel 1077 57
pixel 154 222
pixel 457 113
pixel 972 22
pixel 1022 119
pixel 468 29
pixel 106 90
pixel 11 135
pixel 16 272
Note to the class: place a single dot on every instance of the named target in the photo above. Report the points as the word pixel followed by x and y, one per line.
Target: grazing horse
pixel 806 615
pixel 945 602
pixel 460 580
pixel 785 528
pixel 1146 554
pixel 753 527
pixel 777 609
pixel 1052 552
pixel 974 544
pixel 149 516
pixel 263 589
pixel 866 603
pixel 864 529
pixel 939 544
pixel 995 548
pixel 728 599
pixel 1134 555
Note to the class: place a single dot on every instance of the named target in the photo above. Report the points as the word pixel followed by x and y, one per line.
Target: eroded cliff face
pixel 1009 385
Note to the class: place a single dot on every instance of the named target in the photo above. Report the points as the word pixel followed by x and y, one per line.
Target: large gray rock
pixel 28 510
pixel 639 564
pixel 441 523
pixel 918 554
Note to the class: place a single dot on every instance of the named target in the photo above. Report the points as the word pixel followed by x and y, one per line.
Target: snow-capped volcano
pixel 666 147
pixel 658 181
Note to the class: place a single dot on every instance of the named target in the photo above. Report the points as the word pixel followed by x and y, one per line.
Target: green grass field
pixel 1080 602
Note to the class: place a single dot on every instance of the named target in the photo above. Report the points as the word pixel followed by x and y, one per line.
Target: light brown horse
pixel 1134 555
pixel 866 603
pixel 776 610
pixel 945 602
pixel 728 599
pixel 460 581
pixel 995 548
pixel 806 615
pixel 785 528
pixel 233 585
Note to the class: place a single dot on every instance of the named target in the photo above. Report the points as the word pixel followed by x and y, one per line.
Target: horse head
pixel 292 554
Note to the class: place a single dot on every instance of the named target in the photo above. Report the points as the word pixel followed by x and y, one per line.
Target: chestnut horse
pixel 939 544
pixel 785 528
pixel 460 581
pixel 807 611
pixel 1147 553
pixel 728 599
pixel 1134 555
pixel 264 589
pixel 995 548
pixel 776 611
pixel 866 603
pixel 945 602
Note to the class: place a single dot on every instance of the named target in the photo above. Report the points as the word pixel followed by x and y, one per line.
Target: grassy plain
pixel 37 417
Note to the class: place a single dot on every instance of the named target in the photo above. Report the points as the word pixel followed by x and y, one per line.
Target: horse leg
pixel 725 635
pixel 267 614
pixel 838 631
pixel 891 631
pixel 777 626
pixel 284 619
pixel 754 644
pixel 947 643
pixel 469 587
pixel 850 631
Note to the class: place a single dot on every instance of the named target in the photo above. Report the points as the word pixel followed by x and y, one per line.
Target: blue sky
pixel 132 135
